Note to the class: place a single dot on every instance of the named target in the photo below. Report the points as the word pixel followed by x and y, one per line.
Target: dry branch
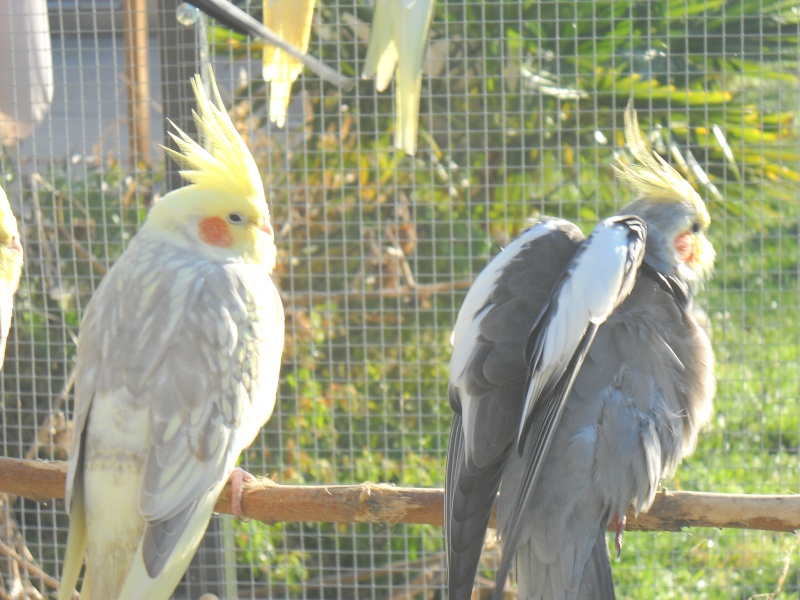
pixel 32 568
pixel 270 502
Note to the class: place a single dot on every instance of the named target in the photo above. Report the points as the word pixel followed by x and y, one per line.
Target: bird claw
pixel 620 529
pixel 237 478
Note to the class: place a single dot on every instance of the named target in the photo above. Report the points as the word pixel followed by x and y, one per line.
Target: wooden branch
pixel 270 502
pixel 35 480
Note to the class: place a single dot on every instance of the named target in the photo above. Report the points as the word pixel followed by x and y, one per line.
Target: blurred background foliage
pixel 521 116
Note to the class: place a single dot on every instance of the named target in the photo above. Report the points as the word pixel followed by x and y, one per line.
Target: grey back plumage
pixel 492 381
pixel 596 581
pixel 634 411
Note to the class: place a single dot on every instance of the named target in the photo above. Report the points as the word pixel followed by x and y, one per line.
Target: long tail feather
pixel 76 545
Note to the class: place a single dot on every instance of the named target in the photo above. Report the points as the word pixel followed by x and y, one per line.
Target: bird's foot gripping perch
pixel 619 529
pixel 237 479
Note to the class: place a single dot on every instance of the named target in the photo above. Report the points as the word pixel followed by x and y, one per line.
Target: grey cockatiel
pixel 579 379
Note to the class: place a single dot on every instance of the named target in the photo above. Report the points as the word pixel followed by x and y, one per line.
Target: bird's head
pixel 223 213
pixel 676 216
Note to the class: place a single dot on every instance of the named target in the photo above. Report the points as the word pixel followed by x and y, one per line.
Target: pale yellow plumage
pixel 10 268
pixel 290 19
pixel 397 47
pixel 178 361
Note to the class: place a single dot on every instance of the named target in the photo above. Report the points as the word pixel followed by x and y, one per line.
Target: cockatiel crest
pixel 223 175
pixel 650 176
pixel 221 160
pixel 656 182
pixel 178 361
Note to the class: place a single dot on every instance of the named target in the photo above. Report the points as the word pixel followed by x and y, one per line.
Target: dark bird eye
pixel 236 218
pixel 696 227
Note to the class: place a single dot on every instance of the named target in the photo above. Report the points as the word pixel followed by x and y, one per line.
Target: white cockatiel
pixel 579 379
pixel 397 47
pixel 178 361
pixel 290 19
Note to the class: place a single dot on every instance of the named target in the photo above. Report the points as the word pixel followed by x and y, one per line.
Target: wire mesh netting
pixel 520 116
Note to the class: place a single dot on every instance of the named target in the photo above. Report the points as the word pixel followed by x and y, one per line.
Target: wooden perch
pixel 270 502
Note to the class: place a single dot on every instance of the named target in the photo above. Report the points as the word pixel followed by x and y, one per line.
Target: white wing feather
pixel 597 281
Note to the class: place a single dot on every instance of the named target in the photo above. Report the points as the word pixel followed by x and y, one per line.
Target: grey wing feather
pixel 540 427
pixel 188 341
pixel 468 513
pixel 535 446
pixel 487 385
pixel 221 388
pixel 642 391
pixel 120 341
pixel 597 582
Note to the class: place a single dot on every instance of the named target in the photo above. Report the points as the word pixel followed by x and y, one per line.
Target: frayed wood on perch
pixel 269 502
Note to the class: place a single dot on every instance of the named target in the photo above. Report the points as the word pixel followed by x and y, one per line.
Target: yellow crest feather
pixel 221 160
pixel 650 176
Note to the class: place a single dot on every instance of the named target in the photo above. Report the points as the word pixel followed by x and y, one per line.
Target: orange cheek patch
pixel 214 231
pixel 686 247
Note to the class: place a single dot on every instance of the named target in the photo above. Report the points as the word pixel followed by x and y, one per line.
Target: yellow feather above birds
pixel 290 19
pixel 397 47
